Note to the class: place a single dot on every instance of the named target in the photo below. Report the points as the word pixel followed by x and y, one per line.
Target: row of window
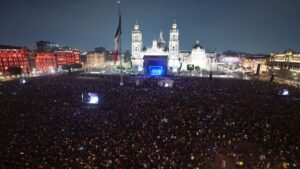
pixel 13 63
pixel 10 51
pixel 13 59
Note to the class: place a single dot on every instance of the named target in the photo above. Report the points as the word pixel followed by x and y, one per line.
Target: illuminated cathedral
pixel 160 59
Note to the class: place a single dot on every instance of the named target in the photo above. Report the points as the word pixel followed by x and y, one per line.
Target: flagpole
pixel 120 47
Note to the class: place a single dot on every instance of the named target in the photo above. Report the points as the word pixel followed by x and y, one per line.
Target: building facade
pixel 11 56
pixel 49 61
pixel 176 59
pixel 45 61
pixel 289 60
pixel 94 60
pixel 250 64
pixel 67 57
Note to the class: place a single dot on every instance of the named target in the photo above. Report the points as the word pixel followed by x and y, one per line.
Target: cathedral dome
pixel 289 52
pixel 197 45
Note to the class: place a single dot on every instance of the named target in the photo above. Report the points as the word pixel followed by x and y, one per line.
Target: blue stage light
pixel 156 70
pixel 156 65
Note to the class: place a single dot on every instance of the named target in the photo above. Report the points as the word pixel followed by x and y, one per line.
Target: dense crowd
pixel 196 124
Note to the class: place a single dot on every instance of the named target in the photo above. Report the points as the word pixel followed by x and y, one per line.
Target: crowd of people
pixel 197 124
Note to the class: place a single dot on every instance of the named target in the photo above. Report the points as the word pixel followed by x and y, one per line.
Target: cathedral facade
pixel 176 60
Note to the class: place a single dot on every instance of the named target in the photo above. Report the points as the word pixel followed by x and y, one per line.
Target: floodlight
pixel 93 98
pixel 285 92
pixel 90 98
pixel 22 81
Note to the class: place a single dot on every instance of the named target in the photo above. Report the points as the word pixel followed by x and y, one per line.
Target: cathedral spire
pixel 161 36
pixel 174 39
pixel 161 41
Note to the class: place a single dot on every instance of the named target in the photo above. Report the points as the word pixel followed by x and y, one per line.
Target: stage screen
pixel 156 65
pixel 90 98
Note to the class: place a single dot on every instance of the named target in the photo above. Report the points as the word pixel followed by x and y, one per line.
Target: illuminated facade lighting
pixel 11 56
pixel 46 61
pixel 287 60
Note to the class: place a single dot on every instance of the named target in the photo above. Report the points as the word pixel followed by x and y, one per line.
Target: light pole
pixel 201 72
pixel 210 71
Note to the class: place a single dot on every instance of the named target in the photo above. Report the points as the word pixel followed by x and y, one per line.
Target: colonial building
pixel 242 62
pixel 250 64
pixel 67 56
pixel 45 61
pixel 94 60
pixel 287 60
pixel 11 56
pixel 172 57
pixel 48 61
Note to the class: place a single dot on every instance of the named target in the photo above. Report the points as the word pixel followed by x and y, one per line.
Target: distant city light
pixel 240 163
pixel 51 69
pixel 228 59
pixel 95 72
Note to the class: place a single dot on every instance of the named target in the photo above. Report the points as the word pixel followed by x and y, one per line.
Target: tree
pixel 197 68
pixel 65 67
pixel 127 56
pixel 190 67
pixel 119 67
pixel 76 66
pixel 14 70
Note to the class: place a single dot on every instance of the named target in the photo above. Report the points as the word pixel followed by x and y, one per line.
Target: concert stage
pixel 156 65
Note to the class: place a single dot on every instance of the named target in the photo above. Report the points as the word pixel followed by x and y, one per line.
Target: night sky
pixel 255 26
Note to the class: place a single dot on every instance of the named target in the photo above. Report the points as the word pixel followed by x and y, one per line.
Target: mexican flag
pixel 117 41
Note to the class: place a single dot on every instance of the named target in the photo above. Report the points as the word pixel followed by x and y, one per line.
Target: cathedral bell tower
pixel 137 41
pixel 174 40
